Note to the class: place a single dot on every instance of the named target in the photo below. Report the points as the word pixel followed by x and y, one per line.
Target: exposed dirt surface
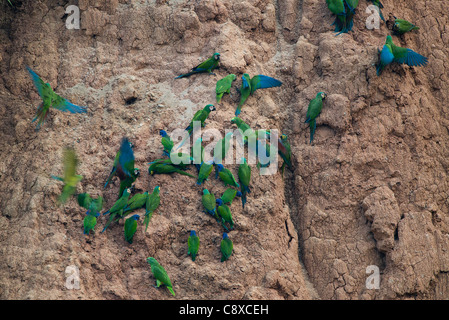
pixel 370 191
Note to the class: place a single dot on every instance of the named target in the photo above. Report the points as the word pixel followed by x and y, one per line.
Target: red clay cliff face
pixel 370 191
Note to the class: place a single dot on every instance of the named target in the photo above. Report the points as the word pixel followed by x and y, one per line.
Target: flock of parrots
pixel 123 166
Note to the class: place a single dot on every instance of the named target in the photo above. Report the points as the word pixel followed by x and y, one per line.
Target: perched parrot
pixel 249 85
pixel 225 213
pixel 167 143
pixel 205 170
pixel 50 99
pixel 338 8
pixel 193 243
pixel 152 203
pixel 313 111
pixel 160 274
pixel 208 200
pixel 205 66
pixel 224 86
pixel 162 168
pixel 183 160
pixel 123 167
pixel 402 26
pixel 378 4
pixel 393 53
pixel 93 207
pixel 245 128
pixel 131 227
pixel 116 212
pixel 136 202
pixel 197 153
pixel 70 178
pixel 200 115
pixel 244 175
pixel 226 176
pixel 284 150
pixel 226 247
pixel 351 5
pixel 221 148
pixel 229 195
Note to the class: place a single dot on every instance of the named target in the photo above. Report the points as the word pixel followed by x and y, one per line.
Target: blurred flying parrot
pixel 205 66
pixel 116 212
pixel 224 86
pixel 313 111
pixel 200 115
pixel 193 243
pixel 205 171
pixel 249 85
pixel 225 213
pixel 152 203
pixel 160 274
pixel 226 247
pixel 136 202
pixel 123 167
pixel 131 227
pixel 167 143
pixel 244 175
pixel 93 207
pixel 50 99
pixel 70 178
pixel 393 53
pixel 402 26
pixel 229 195
pixel 208 200
pixel 378 4
pixel 226 176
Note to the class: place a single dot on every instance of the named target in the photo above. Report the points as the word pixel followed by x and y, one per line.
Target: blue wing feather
pixel 245 83
pixel 261 82
pixel 38 82
pixel 65 105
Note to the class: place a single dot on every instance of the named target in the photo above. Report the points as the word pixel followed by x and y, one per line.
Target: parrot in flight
pixel 225 213
pixel 193 243
pixel 200 115
pixel 226 176
pixel 70 178
pixel 249 85
pixel 93 207
pixel 131 227
pixel 313 111
pixel 229 195
pixel 205 66
pixel 116 212
pixel 378 4
pixel 393 53
pixel 402 26
pixel 226 247
pixel 152 203
pixel 50 99
pixel 167 143
pixel 244 175
pixel 123 166
pixel 224 86
pixel 160 274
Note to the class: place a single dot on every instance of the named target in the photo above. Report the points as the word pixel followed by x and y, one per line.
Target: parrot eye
pixel 323 95
pixel 211 108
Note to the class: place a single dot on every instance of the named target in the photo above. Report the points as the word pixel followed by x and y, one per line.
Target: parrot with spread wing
pixel 160 274
pixel 205 66
pixel 193 244
pixel 249 85
pixel 70 178
pixel 313 111
pixel 50 99
pixel 224 86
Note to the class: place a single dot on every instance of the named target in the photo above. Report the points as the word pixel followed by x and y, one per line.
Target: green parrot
pixel 224 86
pixel 201 116
pixel 226 247
pixel 193 243
pixel 183 160
pixel 205 66
pixel 116 212
pixel 208 200
pixel 162 168
pixel 225 213
pixel 402 26
pixel 378 4
pixel 131 227
pixel 284 150
pixel 70 178
pixel 166 142
pixel 229 195
pixel 247 132
pixel 160 274
pixel 244 175
pixel 338 8
pixel 123 167
pixel 221 149
pixel 205 171
pixel 50 99
pixel 93 207
pixel 197 153
pixel 249 85
pixel 136 202
pixel 313 111
pixel 152 203
pixel 226 176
